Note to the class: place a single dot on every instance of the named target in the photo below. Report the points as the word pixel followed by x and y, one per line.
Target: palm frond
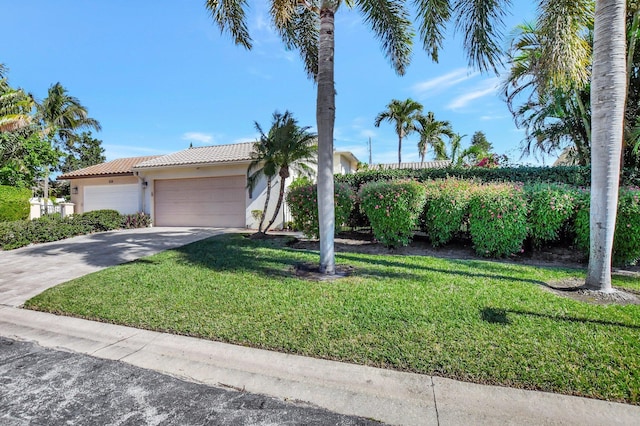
pixel 433 16
pixel 300 30
pixel 230 17
pixel 389 20
pixel 481 22
pixel 565 51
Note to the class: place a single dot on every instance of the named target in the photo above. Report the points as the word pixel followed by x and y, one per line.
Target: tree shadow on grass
pixel 499 274
pixel 501 316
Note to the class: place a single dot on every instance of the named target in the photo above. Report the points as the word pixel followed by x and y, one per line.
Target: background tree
pixel 80 151
pixel 479 139
pixel 405 116
pixel 431 133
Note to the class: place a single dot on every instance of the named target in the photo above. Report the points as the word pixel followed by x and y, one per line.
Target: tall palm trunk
pixel 284 174
pixel 266 205
pixel 399 148
pixel 608 92
pixel 325 116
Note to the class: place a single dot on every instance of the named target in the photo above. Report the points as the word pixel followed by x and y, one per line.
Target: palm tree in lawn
pixel 608 93
pixel 308 26
pixel 404 115
pixel 431 133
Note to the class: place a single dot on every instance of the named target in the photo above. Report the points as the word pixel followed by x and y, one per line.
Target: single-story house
pixel 199 186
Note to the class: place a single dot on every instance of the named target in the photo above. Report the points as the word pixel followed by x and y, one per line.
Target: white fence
pixel 39 208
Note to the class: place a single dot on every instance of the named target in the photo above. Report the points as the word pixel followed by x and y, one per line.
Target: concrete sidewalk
pixel 388 396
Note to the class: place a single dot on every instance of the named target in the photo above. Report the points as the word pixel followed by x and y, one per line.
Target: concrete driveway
pixel 28 271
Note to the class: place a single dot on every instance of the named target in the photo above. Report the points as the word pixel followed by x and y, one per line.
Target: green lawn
pixel 480 321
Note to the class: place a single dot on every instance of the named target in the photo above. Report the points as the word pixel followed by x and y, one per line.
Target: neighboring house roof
pixel 437 164
pixel 119 167
pixel 202 155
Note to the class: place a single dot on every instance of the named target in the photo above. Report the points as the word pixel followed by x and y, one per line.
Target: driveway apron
pixel 28 271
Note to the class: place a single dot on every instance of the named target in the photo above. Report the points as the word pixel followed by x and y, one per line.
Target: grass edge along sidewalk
pixel 478 321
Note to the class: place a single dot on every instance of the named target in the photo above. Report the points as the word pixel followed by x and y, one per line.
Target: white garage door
pixel 216 201
pixel 123 198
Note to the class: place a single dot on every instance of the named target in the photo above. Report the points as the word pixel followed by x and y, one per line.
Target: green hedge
pixel 14 203
pixel 574 175
pixel 626 241
pixel 393 209
pixel 551 206
pixel 302 199
pixel 446 208
pixel 53 227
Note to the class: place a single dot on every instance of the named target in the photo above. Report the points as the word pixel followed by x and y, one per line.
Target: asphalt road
pixel 40 386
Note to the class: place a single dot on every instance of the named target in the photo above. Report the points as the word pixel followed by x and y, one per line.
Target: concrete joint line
pixel 435 400
pixel 115 343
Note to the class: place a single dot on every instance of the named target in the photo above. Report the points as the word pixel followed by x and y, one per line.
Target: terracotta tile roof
pixel 202 155
pixel 437 164
pixel 119 167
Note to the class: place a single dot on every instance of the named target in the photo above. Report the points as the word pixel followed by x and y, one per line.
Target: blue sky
pixel 158 75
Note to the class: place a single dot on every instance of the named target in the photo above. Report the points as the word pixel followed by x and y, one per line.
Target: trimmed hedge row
pixel 53 227
pixel 569 175
pixel 497 217
pixel 14 203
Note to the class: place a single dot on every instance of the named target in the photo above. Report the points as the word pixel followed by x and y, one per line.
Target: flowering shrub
pixel 498 219
pixel 303 204
pixel 445 209
pixel 393 208
pixel 550 207
pixel 626 242
pixel 136 220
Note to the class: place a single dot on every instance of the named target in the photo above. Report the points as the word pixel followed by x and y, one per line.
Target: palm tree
pixel 431 133
pixel 404 115
pixel 64 113
pixel 286 147
pixel 15 105
pixel 308 26
pixel 608 92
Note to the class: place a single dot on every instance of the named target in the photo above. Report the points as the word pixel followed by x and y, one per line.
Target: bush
pixel 570 175
pixel 302 199
pixel 14 203
pixel 626 241
pixel 44 229
pixel 393 209
pixel 550 208
pixel 445 209
pixel 101 220
pixel 138 220
pixel 498 219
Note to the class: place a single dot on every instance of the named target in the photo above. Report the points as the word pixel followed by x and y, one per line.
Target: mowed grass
pixel 479 321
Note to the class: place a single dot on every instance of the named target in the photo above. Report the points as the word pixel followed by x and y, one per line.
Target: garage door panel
pixel 123 198
pixel 200 202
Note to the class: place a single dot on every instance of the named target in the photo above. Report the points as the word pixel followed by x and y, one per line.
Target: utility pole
pixel 370 150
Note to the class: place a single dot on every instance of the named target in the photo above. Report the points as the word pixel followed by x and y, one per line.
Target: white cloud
pixel 487 87
pixel 203 138
pixel 438 84
pixel 367 133
pixel 493 117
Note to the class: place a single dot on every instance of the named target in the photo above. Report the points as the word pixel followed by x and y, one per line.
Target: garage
pixel 123 198
pixel 213 201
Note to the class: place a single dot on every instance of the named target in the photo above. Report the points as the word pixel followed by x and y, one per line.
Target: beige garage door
pixel 200 202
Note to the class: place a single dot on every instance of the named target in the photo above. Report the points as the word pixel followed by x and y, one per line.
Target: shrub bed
pixel 14 203
pixel 498 219
pixel 302 200
pixel 550 208
pixel 446 208
pixel 626 242
pixel 393 209
pixel 53 227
